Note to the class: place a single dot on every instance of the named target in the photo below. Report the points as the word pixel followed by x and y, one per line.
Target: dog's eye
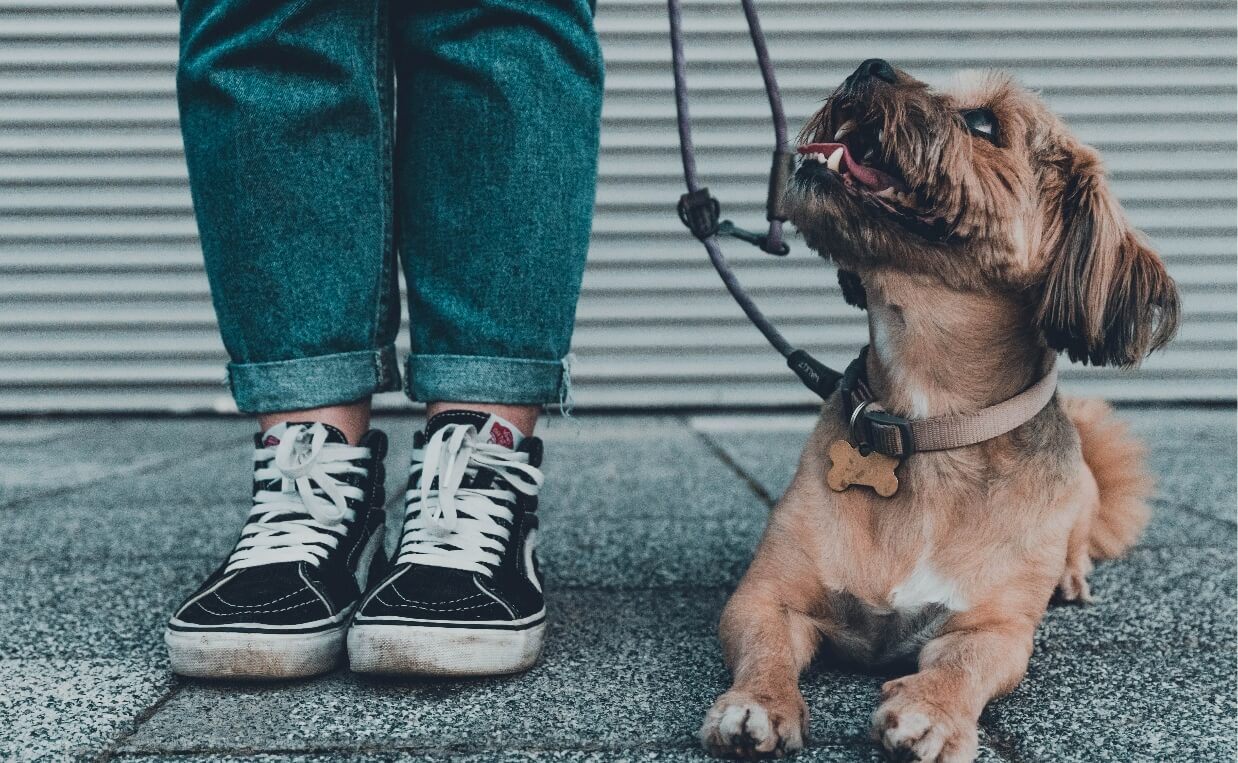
pixel 981 122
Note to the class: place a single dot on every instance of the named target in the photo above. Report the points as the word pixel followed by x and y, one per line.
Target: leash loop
pixel 700 211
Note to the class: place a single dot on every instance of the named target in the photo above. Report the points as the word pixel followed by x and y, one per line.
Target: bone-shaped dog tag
pixel 850 467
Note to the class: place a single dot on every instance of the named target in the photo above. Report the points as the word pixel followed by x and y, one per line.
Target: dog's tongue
pixel 867 176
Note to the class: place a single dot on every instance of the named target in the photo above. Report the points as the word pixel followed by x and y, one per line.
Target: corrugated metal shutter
pixel 103 304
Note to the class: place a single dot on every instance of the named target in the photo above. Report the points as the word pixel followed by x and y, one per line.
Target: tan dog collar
pixel 874 429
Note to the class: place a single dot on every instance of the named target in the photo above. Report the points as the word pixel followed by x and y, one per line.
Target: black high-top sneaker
pixel 464 597
pixel 279 605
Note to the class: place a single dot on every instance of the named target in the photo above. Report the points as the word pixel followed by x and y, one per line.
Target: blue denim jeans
pixel 328 140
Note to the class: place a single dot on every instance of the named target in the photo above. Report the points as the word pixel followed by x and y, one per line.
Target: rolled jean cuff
pixel 293 385
pixel 482 379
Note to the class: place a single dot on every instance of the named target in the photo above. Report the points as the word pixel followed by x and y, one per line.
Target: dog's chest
pixel 913 613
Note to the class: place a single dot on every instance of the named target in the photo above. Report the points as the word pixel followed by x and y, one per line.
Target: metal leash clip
pixel 700 210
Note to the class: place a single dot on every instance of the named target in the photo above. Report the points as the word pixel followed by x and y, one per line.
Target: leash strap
pixel 701 211
pixel 876 429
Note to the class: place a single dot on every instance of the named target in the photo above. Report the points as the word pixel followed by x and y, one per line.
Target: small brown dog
pixel 986 240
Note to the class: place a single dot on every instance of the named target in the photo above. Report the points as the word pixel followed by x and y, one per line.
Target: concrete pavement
pixel 107 523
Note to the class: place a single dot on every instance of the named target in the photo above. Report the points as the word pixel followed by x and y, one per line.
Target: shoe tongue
pixel 273 436
pixel 490 428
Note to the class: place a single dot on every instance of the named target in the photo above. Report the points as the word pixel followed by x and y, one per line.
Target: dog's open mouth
pixel 855 155
pixel 868 178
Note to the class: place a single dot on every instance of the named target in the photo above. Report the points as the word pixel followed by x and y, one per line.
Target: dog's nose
pixel 875 67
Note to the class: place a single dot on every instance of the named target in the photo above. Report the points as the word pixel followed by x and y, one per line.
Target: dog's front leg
pixel 767 644
pixel 932 714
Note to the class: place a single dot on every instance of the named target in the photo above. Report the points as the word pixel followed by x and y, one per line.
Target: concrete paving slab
pixel 194 509
pixel 767 449
pixel 655 472
pixel 605 553
pixel 665 512
pixel 55 455
pixel 92 611
pixel 629 669
pixel 1175 601
pixel 830 754
pixel 1156 599
pixel 626 670
pixel 813 754
pixel 623 662
pixel 576 551
pixel 117 607
pixel 69 709
pixel 55 530
pixel 1196 482
pixel 1192 452
pixel 1120 705
pixel 647 530
pixel 219 476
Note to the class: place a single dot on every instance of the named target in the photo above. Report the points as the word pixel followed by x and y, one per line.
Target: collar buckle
pixel 882 431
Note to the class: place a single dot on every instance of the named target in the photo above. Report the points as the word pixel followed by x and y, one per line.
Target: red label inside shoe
pixel 501 435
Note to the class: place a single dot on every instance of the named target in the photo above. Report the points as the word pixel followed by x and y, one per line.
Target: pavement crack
pixel 175 688
pixel 1190 509
pixel 721 454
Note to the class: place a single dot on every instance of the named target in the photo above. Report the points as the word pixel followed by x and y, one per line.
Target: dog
pixel 982 238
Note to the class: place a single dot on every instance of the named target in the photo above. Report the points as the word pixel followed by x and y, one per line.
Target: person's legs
pixel 285 111
pixel 496 159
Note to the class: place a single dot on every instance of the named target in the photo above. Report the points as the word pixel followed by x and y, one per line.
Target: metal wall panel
pixel 103 304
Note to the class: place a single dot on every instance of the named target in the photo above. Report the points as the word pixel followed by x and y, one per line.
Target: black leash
pixel 700 210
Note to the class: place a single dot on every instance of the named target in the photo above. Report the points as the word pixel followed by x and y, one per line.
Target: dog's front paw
pixel 916 729
pixel 742 726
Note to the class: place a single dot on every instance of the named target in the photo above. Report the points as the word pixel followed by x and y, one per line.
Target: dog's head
pixel 982 187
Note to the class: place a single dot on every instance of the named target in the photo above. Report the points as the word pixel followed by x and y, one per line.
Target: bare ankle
pixel 524 417
pixel 353 419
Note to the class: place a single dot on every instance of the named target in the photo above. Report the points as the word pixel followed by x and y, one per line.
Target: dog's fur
pixel 1009 251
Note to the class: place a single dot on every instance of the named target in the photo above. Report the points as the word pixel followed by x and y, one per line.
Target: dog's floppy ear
pixel 1107 298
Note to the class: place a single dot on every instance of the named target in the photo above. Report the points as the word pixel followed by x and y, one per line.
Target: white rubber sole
pixel 215 654
pixel 420 650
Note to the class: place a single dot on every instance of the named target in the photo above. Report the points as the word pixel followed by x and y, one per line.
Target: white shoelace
pixel 303 462
pixel 459 527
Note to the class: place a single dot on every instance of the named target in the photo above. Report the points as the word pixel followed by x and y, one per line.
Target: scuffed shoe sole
pixel 415 650
pixel 215 654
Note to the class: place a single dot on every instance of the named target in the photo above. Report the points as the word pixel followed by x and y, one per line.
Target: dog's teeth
pixel 869 154
pixel 886 194
pixel 881 136
pixel 847 127
pixel 835 159
pixel 819 157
